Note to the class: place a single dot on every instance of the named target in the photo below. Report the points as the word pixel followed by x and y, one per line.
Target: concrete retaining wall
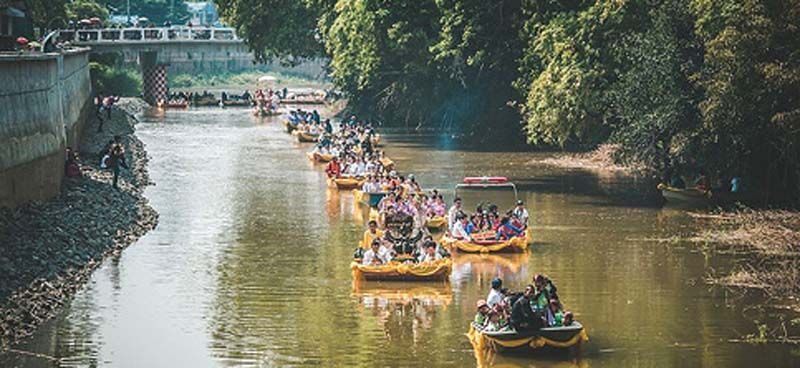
pixel 44 101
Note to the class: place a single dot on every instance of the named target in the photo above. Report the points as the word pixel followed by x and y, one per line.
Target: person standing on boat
pixel 521 213
pixel 495 295
pixel 453 212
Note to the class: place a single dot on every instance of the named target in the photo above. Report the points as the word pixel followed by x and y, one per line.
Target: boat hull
pixel 435 271
pixel 514 245
pixel 369 199
pixel 551 337
pixel 345 183
pixel 436 223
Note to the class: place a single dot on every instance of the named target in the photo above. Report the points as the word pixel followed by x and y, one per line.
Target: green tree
pixel 47 14
pixel 284 29
pixel 652 99
pixel 567 69
pixel 85 9
pixel 751 80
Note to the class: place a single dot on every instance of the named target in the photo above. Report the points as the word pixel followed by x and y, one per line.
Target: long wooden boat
pixel 304 137
pixel 205 101
pixel 172 105
pixel 237 103
pixel 319 157
pixel 367 198
pixel 429 271
pixel 436 223
pixel 345 183
pixel 692 196
pixel 303 101
pixel 505 341
pixel 516 244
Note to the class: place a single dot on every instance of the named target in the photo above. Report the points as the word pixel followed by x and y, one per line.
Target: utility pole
pixel 129 11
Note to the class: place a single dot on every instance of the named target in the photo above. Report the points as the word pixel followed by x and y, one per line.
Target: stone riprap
pixel 49 249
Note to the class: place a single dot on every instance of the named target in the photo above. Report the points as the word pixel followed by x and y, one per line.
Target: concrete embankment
pixel 45 99
pixel 50 248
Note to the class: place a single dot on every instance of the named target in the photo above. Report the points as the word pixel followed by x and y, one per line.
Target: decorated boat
pixel 172 105
pixel 345 183
pixel 436 223
pixel 483 243
pixel 563 337
pixel 367 198
pixel 396 271
pixel 304 137
pixel 319 157
pixel 691 196
pixel 237 102
pixel 205 101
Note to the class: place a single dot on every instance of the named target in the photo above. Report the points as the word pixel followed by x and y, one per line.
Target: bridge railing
pixel 114 35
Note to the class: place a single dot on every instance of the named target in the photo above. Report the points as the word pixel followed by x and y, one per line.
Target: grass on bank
pixel 770 239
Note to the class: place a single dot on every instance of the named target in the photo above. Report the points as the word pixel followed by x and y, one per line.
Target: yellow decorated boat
pixel 429 271
pixel 516 244
pixel 692 196
pixel 304 137
pixel 552 337
pixel 436 223
pixel 345 183
pixel 319 157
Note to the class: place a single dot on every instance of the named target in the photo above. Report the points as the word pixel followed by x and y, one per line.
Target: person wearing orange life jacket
pixel 334 169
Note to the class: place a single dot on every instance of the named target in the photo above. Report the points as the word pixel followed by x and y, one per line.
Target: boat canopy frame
pixel 487 184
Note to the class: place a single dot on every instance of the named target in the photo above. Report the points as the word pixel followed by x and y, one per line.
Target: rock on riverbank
pixel 49 249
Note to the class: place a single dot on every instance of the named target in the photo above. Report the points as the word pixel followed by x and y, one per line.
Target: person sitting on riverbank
pixel 71 167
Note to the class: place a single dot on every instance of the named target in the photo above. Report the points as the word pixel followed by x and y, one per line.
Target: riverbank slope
pixel 50 248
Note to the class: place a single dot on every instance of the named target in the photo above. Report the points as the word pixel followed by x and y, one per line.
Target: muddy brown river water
pixel 249 266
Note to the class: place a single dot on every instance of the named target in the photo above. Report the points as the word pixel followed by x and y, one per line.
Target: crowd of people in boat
pixel 267 98
pixel 538 306
pixel 487 223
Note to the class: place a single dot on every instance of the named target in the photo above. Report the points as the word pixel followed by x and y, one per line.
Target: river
pixel 249 266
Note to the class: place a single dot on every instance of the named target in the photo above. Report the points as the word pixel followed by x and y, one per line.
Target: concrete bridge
pixel 159 51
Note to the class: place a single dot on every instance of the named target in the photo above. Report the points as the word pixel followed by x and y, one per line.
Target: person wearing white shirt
pixel 430 255
pixel 521 213
pixel 372 257
pixel 453 212
pixel 495 295
pixel 458 230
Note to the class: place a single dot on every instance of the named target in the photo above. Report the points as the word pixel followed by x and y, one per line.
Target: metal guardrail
pixel 111 36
